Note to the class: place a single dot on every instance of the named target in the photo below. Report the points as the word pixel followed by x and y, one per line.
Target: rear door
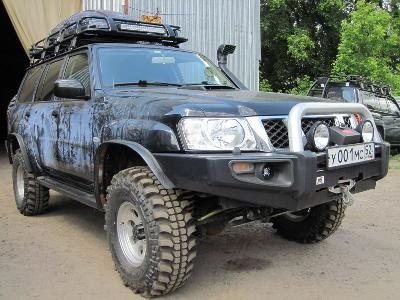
pixel 44 117
pixel 20 110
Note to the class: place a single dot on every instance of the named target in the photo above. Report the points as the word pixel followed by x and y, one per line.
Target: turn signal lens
pixel 242 167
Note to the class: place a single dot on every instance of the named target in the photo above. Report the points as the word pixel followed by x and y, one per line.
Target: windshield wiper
pixel 144 83
pixel 204 83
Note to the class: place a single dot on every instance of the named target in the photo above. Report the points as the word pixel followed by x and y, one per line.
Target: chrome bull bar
pixel 302 109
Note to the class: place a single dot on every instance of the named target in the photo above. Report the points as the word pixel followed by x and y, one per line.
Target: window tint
pixel 30 83
pixel 48 83
pixel 77 68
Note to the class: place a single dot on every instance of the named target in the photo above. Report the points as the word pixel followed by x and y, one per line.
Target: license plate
pixel 352 154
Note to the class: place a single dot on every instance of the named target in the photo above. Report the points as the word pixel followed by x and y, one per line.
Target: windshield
pixel 342 93
pixel 125 66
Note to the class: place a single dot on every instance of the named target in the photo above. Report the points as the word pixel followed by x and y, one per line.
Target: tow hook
pixel 343 188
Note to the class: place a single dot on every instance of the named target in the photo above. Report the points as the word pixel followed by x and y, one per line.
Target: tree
pixel 299 38
pixel 370 43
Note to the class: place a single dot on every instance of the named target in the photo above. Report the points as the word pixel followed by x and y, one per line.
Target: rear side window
pixel 30 83
pixel 46 93
pixel 77 68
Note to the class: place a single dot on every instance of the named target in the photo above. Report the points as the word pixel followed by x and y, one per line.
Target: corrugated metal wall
pixel 114 5
pixel 209 23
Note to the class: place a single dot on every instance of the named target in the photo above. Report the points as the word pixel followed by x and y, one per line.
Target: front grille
pixel 278 132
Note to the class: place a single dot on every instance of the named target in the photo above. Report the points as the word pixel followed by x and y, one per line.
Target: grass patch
pixel 395 157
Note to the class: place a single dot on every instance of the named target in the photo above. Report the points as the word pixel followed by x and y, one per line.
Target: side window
pixel 78 68
pixel 370 101
pixel 46 92
pixel 383 104
pixel 393 108
pixel 30 83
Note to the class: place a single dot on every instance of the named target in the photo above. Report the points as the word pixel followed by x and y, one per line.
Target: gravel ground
pixel 64 255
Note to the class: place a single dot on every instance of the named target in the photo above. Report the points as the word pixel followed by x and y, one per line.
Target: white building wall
pixel 114 5
pixel 207 24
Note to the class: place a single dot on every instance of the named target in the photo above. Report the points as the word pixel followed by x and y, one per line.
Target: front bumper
pixel 293 186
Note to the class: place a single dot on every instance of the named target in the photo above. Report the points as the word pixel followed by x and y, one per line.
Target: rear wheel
pixel 150 232
pixel 30 197
pixel 311 225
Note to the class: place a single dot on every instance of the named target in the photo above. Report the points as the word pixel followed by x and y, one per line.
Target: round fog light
pixel 267 172
pixel 367 131
pixel 318 136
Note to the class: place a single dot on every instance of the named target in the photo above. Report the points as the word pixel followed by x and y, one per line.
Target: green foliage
pixel 303 84
pixel 299 38
pixel 369 46
pixel 300 45
pixel 264 85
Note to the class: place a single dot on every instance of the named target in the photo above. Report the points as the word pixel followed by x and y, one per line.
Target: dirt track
pixel 64 255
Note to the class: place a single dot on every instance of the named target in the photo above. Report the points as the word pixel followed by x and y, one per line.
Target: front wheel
pixel 150 232
pixel 311 225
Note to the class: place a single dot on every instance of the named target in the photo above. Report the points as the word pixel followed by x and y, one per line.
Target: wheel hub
pixel 20 182
pixel 131 234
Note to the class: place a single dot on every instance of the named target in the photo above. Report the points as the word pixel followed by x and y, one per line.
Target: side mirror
pixel 69 88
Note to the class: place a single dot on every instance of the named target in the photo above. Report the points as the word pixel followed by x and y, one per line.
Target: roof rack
pixel 91 26
pixel 362 82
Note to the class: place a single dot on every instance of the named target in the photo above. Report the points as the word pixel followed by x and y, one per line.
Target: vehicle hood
pixel 185 102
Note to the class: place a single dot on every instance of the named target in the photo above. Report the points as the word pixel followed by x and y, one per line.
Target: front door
pixel 75 129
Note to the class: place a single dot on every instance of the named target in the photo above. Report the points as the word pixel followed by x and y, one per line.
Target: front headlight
pixel 207 134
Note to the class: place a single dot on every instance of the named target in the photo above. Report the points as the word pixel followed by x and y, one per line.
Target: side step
pixel 68 190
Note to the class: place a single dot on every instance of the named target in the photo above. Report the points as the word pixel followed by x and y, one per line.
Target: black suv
pixel 376 97
pixel 171 147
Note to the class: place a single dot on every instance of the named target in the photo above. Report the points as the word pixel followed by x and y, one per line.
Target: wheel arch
pixel 13 143
pixel 115 155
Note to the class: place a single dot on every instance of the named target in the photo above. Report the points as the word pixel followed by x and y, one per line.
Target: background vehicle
pixel 113 114
pixel 377 98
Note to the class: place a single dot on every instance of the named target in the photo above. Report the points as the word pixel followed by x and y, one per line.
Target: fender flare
pixel 10 150
pixel 143 152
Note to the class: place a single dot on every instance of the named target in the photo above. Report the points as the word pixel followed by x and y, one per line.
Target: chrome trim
pixel 260 134
pixel 302 109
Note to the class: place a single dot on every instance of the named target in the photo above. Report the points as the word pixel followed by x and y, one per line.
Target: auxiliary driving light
pixel 318 136
pixel 367 131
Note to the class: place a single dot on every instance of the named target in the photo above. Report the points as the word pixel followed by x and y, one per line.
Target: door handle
pixel 54 114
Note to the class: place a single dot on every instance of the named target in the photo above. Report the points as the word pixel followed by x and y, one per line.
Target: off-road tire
pixel 36 197
pixel 321 222
pixel 169 228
